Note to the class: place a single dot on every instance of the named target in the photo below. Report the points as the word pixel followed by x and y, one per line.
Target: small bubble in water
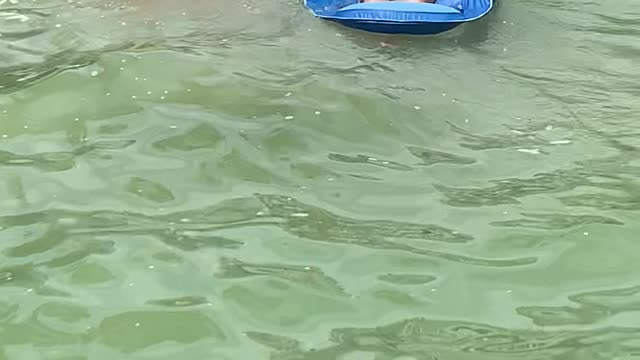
pixel 123 23
pixel 124 60
pixel 26 126
pixel 307 268
pixel 586 233
pixel 444 94
pixel 76 119
pixel 58 25
pixel 549 127
pixel 151 267
pixel 94 73
pixel 417 107
pixel 287 94
pixel 162 97
pixel 108 94
pixel 130 284
pixel 188 90
pixel 317 112
pixel 173 127
pixel 134 97
pixel 259 213
pixel 166 91
pixel 148 92
pixel 185 220
pixel 4 136
pixel 289 117
pixel 137 325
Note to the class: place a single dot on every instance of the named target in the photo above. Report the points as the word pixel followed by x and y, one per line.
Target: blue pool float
pixel 398 17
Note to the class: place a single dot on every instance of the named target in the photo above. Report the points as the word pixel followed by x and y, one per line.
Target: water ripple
pixel 193 229
pixel 364 159
pixel 556 221
pixel 423 338
pixel 60 160
pixel 307 276
pixel 592 308
pixel 431 157
pixel 595 174
pixel 19 77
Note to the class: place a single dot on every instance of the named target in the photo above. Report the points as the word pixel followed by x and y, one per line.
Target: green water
pixel 238 180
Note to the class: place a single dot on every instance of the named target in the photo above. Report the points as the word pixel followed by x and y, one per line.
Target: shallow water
pixel 239 180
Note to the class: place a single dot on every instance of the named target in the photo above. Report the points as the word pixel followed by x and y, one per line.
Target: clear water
pixel 238 180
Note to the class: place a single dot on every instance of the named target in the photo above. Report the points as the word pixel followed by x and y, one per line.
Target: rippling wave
pixel 196 228
pixel 423 338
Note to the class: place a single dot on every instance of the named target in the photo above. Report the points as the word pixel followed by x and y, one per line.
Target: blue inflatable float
pixel 400 17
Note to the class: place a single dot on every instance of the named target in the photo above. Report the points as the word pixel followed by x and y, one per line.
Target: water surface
pixel 239 180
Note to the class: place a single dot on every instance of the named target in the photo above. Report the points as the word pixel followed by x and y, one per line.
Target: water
pixel 239 180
